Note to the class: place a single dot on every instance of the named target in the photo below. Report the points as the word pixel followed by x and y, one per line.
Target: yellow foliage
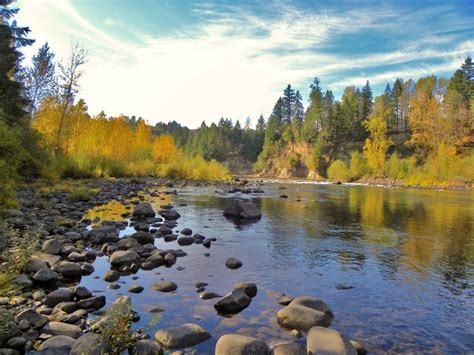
pixel 358 168
pixel 163 149
pixel 377 145
pixel 338 171
pixel 106 147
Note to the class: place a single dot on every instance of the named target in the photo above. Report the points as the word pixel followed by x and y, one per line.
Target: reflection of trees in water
pixel 425 231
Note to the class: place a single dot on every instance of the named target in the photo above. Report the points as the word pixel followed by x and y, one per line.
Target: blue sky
pixel 192 60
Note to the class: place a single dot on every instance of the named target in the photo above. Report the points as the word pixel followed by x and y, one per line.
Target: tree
pixel 163 149
pixel 40 78
pixel 12 37
pixel 377 144
pixel 288 105
pixel 69 74
pixel 312 120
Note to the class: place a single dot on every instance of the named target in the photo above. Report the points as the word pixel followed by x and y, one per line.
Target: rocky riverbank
pixel 45 308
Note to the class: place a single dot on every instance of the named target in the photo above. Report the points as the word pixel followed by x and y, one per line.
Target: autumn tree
pixel 163 149
pixel 69 74
pixel 376 146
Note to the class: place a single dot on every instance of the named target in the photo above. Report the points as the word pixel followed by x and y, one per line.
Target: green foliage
pixel 338 171
pixel 117 330
pixel 8 326
pixel 80 194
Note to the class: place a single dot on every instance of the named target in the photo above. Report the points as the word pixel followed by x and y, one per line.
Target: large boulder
pixel 94 302
pixel 90 344
pixel 124 257
pixel 287 348
pixel 236 344
pixel 35 264
pixel 144 210
pixel 325 341
pixel 242 209
pixel 170 215
pixel 59 344
pixel 233 302
pixel 183 336
pixel 304 313
pixel 44 276
pixel 121 307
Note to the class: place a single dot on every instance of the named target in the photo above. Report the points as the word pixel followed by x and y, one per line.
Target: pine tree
pixel 312 120
pixel 288 107
pixel 12 37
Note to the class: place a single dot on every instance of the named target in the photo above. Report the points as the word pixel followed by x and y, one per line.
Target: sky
pixel 194 61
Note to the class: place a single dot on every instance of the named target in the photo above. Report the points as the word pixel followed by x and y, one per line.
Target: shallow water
pixel 407 254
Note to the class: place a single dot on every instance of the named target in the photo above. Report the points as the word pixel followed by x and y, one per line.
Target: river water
pixel 396 266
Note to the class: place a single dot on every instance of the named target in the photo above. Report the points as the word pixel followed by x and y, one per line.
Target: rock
pixel 165 286
pixel 34 264
pixel 185 241
pixel 59 344
pixel 87 269
pixel 94 302
pixel 23 281
pixel 51 246
pixel 170 259
pixel 146 347
pixel 90 344
pixel 111 276
pixel 170 215
pixel 34 319
pixel 76 257
pixel 285 300
pixel 67 307
pixel 144 210
pixel 68 269
pixel 249 288
pixel 183 336
pixel 124 257
pixel 45 275
pixel 143 237
pixel 233 302
pixel 58 296
pixel 82 292
pixel 305 312
pixel 16 343
pixel 155 260
pixel 103 234
pixel 135 289
pixel 186 231
pixel 207 295
pixel 59 328
pixel 236 344
pixel 127 243
pixel 233 263
pixel 242 209
pixel 322 341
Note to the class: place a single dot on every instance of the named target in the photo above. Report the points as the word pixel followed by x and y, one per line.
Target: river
pixel 395 265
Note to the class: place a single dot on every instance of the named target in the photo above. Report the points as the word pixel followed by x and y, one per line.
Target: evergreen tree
pixel 397 111
pixel 312 120
pixel 12 37
pixel 288 106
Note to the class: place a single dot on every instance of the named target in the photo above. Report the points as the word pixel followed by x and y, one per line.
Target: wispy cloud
pixel 235 61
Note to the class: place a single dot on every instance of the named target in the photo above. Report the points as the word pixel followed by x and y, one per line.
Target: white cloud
pixel 221 68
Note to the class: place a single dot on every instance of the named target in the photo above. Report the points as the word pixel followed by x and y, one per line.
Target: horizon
pixel 182 62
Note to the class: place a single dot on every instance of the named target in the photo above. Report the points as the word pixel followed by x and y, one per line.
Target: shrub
pixel 80 194
pixel 358 167
pixel 338 171
pixel 116 331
